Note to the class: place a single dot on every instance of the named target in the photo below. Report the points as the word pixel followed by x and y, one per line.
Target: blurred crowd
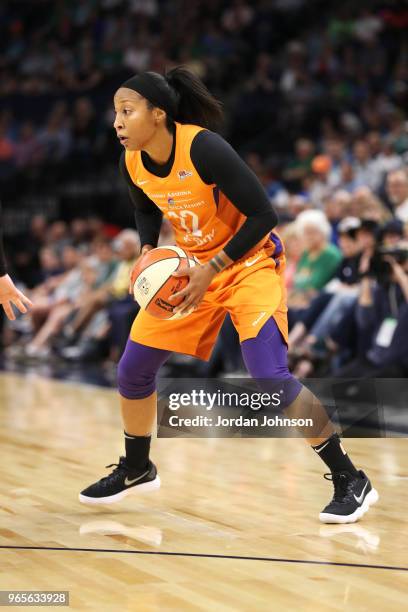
pixel 348 281
pixel 77 275
pixel 315 96
pixel 78 279
pixel 346 277
pixel 283 68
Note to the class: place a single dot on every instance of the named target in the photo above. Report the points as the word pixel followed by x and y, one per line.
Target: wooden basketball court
pixel 234 526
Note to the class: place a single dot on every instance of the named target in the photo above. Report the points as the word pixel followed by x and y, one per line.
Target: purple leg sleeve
pixel 137 369
pixel 265 358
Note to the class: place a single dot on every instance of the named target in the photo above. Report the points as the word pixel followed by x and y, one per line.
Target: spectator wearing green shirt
pixel 319 260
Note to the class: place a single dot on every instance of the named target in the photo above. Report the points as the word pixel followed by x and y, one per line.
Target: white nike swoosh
pixel 251 263
pixel 129 482
pixel 359 499
pixel 142 182
pixel 318 450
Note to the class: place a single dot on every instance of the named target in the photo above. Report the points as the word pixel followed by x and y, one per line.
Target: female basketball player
pixel 176 167
pixel 9 294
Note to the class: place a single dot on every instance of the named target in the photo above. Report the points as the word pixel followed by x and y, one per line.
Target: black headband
pixel 155 89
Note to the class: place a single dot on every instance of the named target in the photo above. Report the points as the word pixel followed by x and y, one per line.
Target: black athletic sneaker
pixel 353 495
pixel 122 481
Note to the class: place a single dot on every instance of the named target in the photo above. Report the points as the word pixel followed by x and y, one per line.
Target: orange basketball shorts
pixel 251 291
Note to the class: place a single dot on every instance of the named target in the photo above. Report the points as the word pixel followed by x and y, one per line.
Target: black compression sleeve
pixel 217 162
pixel 3 267
pixel 147 216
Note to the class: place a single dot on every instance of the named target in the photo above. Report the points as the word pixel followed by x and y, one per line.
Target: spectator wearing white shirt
pixel 365 170
pixel 397 190
pixel 388 159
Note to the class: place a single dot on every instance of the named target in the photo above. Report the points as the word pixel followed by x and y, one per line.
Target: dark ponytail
pixel 195 103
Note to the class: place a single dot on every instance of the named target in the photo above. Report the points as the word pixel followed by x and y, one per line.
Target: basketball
pixel 153 282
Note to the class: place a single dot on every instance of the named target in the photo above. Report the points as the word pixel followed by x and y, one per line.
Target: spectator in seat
pixel 397 189
pixel 382 322
pixel 318 262
pixel 327 309
pixel 87 329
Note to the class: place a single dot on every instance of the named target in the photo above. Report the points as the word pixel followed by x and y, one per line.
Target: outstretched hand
pixel 9 294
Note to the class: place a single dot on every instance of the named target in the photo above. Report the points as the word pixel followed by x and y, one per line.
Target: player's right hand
pixel 9 294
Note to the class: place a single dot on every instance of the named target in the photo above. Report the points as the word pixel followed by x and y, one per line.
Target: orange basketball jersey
pixel 203 219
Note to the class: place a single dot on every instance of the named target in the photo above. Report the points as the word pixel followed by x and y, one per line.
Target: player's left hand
pixel 200 277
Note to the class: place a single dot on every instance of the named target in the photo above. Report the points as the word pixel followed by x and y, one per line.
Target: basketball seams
pixel 166 260
pixel 181 263
pixel 163 255
pixel 153 263
pixel 175 249
pixel 151 266
pixel 163 284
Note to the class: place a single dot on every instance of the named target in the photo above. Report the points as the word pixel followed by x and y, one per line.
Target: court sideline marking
pixel 206 556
